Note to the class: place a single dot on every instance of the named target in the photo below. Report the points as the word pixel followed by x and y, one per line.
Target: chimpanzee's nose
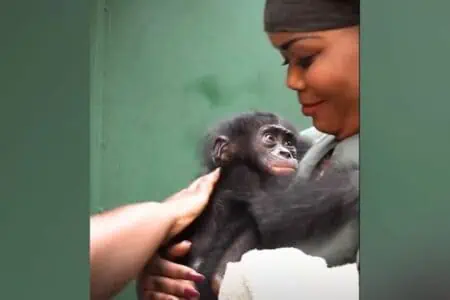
pixel 285 153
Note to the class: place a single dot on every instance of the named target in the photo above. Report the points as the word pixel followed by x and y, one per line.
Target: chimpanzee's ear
pixel 221 151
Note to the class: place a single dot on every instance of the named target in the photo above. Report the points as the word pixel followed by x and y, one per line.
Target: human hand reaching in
pixel 187 204
pixel 162 278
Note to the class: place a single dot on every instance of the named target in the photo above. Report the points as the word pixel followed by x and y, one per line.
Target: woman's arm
pixel 124 239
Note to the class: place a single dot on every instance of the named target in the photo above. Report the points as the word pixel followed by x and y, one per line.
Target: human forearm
pixel 124 239
pixel 121 242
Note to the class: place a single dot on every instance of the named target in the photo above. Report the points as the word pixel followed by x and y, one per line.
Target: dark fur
pixel 251 209
pixel 306 209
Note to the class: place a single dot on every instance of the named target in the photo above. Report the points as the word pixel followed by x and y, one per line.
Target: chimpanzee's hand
pixel 163 279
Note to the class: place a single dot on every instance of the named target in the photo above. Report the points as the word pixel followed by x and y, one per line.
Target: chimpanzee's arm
pixel 306 208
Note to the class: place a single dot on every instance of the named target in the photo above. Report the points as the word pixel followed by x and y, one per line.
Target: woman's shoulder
pixel 345 151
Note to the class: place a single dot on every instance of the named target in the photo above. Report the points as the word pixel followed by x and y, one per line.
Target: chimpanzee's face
pixel 271 147
pixel 276 150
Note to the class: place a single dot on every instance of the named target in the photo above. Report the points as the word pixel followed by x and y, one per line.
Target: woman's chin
pixel 340 132
pixel 323 125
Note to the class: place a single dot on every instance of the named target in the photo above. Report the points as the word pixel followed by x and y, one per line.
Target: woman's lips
pixel 309 109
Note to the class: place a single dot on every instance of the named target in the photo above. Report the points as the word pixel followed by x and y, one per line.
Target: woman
pixel 123 239
pixel 319 41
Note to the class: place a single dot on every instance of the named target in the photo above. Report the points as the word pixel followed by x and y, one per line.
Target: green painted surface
pixel 164 71
pixel 44 156
pixel 44 164
pixel 405 142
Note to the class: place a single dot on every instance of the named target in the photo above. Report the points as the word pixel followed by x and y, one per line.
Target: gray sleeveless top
pixel 341 245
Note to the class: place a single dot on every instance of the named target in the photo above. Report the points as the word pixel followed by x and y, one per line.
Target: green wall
pixel 405 140
pixel 44 133
pixel 162 72
pixel 44 156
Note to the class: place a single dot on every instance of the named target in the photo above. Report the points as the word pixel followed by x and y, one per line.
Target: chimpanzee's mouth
pixel 283 167
pixel 283 170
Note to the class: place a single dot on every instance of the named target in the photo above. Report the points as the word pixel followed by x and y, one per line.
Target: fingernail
pixel 186 243
pixel 214 173
pixel 196 277
pixel 191 293
pixel 214 176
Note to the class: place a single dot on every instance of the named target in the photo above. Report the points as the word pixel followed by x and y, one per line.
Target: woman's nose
pixel 294 79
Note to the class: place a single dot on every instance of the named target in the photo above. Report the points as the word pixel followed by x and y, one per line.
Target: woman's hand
pixel 162 278
pixel 122 240
pixel 188 204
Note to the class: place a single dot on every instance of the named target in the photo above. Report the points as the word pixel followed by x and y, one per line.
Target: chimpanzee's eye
pixel 268 138
pixel 288 143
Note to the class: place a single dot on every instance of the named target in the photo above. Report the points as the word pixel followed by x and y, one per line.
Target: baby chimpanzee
pixel 258 201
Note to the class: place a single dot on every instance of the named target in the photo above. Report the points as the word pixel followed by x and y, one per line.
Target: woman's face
pixel 323 68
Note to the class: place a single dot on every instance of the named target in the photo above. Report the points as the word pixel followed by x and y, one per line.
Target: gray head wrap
pixel 309 15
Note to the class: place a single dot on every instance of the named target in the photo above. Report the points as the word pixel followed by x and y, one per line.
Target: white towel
pixel 287 273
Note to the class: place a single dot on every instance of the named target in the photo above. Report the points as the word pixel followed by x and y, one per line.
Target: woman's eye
pixel 306 62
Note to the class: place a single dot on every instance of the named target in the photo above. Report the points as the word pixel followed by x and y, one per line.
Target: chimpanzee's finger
pixel 215 284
